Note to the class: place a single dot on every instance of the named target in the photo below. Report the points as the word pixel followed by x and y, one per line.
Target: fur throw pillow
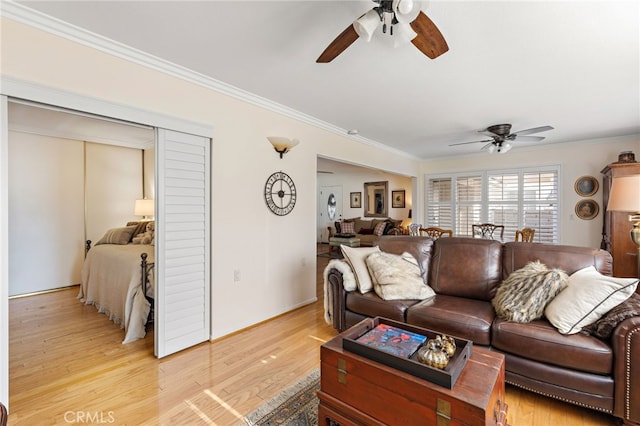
pixel 605 325
pixel 525 293
pixel 397 277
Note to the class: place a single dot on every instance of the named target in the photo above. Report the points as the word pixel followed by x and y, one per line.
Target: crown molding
pixel 23 14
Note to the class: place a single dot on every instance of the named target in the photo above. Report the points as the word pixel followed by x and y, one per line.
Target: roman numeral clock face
pixel 280 193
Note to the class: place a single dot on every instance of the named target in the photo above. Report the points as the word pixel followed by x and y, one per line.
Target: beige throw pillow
pixel 117 235
pixel 397 277
pixel 355 257
pixel 588 296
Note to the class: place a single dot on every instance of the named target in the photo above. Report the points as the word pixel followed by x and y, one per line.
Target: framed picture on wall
pixel 397 199
pixel 356 200
pixel 587 209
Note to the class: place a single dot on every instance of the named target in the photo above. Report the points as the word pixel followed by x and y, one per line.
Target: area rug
pixel 295 406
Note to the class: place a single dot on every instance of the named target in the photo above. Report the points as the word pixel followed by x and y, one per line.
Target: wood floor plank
pixel 68 360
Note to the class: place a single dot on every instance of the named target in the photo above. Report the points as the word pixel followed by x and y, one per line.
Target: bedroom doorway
pixel 194 224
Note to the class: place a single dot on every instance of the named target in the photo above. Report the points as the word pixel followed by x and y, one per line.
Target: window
pixel 513 198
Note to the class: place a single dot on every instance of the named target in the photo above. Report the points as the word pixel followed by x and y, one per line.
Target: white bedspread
pixel 111 281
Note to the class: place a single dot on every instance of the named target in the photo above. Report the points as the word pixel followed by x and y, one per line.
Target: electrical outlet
pixel 236 275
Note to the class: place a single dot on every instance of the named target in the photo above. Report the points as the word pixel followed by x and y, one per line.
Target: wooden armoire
pixel 616 225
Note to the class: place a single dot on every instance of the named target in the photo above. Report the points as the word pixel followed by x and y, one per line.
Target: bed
pixel 117 278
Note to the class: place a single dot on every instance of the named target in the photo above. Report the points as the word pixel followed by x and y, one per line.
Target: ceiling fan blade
pixel 529 138
pixel 533 130
pixel 337 46
pixel 429 39
pixel 467 143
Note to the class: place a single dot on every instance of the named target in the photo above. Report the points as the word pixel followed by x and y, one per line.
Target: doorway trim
pixel 20 89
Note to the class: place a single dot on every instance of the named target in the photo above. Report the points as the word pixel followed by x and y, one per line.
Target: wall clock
pixel 280 193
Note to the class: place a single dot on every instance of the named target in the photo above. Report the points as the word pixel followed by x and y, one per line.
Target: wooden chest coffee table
pixel 355 390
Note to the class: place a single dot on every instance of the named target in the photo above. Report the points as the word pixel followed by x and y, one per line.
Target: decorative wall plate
pixel 586 186
pixel 587 209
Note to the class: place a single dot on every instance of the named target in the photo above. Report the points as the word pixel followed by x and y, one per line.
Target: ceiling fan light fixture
pixel 406 11
pixel 403 34
pixel 490 147
pixel 366 25
pixel 504 147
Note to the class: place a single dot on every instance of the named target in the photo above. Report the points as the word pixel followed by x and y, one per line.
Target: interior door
pixel 329 210
pixel 182 270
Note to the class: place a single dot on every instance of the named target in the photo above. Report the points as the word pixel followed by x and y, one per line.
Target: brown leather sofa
pixel 465 274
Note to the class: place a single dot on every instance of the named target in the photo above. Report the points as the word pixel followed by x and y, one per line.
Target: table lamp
pixel 143 208
pixel 624 196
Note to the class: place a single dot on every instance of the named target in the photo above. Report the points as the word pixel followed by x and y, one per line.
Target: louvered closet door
pixel 182 241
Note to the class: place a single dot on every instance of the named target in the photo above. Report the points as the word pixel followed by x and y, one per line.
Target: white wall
pixel 46 212
pixel 113 183
pixel 584 158
pixel 61 193
pixel 275 256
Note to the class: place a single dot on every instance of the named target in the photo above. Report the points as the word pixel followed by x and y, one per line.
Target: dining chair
pixel 525 235
pixel 434 232
pixel 488 231
pixel 414 229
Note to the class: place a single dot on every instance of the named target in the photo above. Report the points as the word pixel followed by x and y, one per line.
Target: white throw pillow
pixel 356 257
pixel 588 296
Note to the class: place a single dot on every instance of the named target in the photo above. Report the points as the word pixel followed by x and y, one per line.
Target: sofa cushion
pixel 379 229
pixel 419 247
pixel 457 316
pixel 397 277
pixel 371 305
pixel 362 223
pixel 466 267
pixel 347 228
pixel 568 258
pixel 356 258
pixel 588 296
pixel 368 240
pixel 587 389
pixel 524 294
pixel 540 341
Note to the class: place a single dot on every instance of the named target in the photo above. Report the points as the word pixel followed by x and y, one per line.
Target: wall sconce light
pixel 144 208
pixel 624 196
pixel 282 145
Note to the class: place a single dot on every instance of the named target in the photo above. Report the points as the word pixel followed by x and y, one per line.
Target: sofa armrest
pixel 338 299
pixel 626 348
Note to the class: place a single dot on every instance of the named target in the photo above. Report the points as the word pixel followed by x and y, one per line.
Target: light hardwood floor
pixel 67 366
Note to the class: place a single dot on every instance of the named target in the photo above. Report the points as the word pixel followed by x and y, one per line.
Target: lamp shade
pixel 624 195
pixel 282 144
pixel 143 208
pixel 403 34
pixel 366 25
pixel 504 147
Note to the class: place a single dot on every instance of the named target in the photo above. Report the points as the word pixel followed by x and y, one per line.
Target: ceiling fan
pixel 501 137
pixel 404 20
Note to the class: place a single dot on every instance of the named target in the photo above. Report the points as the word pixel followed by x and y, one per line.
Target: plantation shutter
pixel 541 204
pixel 468 203
pixel 182 242
pixel 502 203
pixel 440 203
pixel 513 198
